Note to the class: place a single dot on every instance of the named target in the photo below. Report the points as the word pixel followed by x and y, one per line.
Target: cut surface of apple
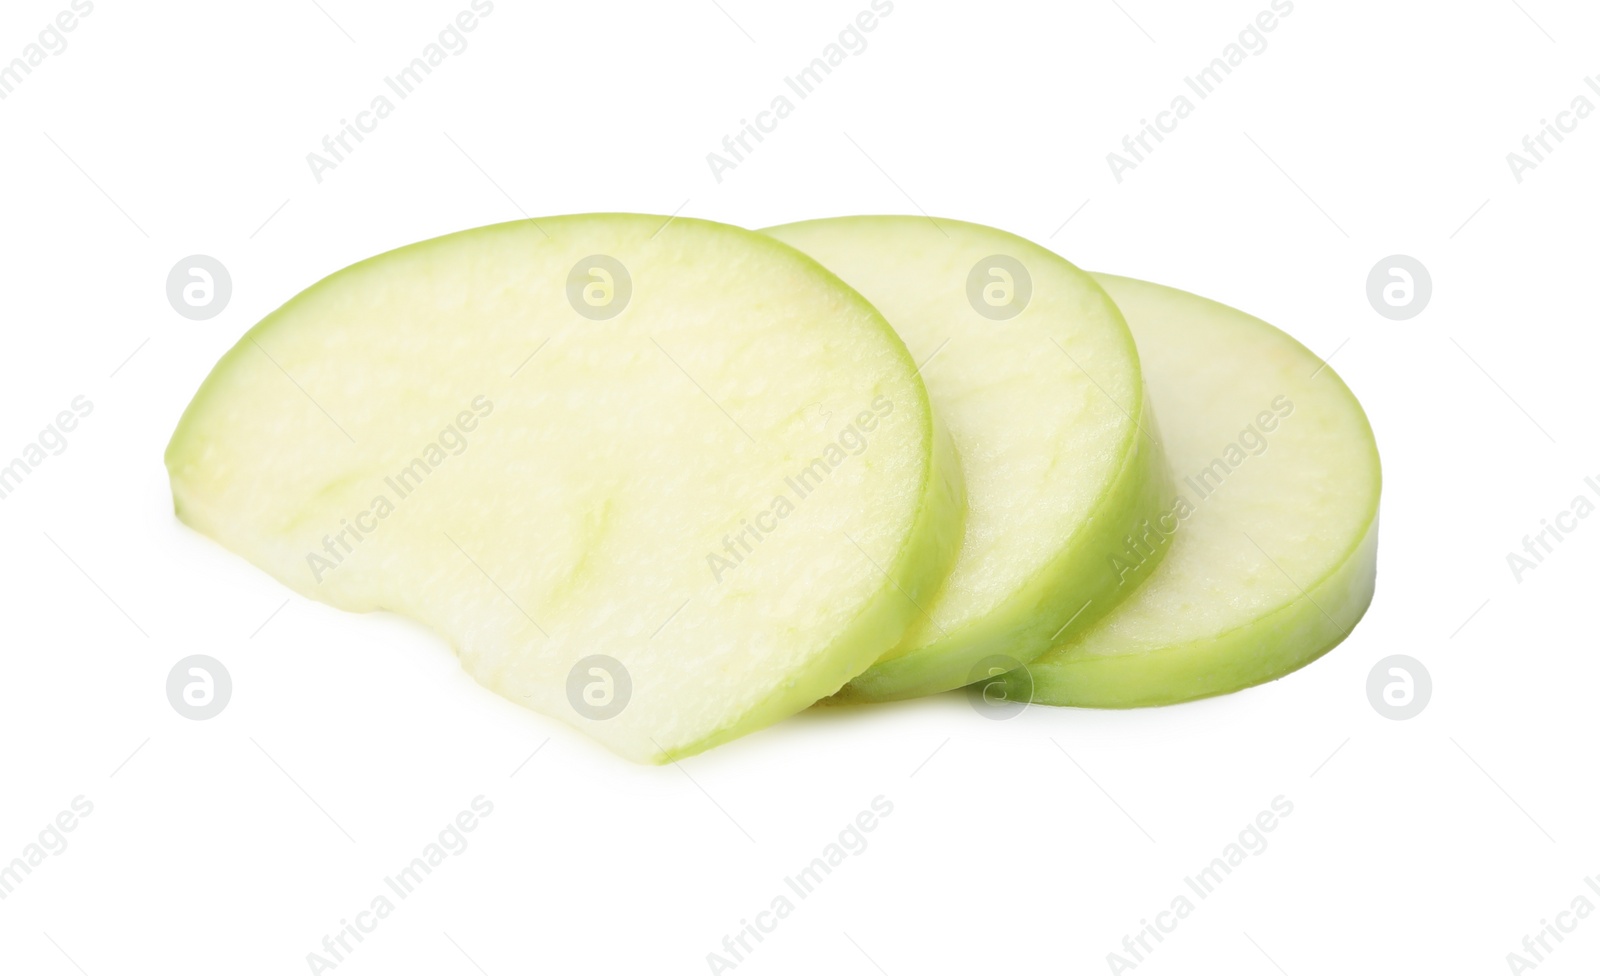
pixel 667 480
pixel 1031 367
pixel 1273 534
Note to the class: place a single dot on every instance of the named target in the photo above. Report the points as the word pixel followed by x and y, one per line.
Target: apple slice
pixel 1273 535
pixel 667 480
pixel 1033 370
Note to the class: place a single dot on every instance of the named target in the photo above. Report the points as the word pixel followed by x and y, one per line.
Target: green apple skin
pixel 1299 632
pixel 1071 588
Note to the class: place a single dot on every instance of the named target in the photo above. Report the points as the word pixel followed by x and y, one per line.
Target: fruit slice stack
pixel 672 481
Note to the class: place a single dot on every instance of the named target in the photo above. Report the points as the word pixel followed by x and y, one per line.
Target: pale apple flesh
pixel 1272 534
pixel 1031 367
pixel 733 485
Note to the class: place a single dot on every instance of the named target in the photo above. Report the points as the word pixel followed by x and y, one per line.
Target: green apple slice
pixel 1273 536
pixel 667 480
pixel 1033 370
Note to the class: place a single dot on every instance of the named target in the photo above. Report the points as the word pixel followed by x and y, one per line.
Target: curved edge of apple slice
pixel 1068 595
pixel 1226 662
pixel 909 582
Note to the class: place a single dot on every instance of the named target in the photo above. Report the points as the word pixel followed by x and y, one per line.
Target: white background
pixel 1031 845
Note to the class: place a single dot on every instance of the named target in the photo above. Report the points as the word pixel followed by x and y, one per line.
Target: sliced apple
pixel 1031 367
pixel 1273 534
pixel 667 480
